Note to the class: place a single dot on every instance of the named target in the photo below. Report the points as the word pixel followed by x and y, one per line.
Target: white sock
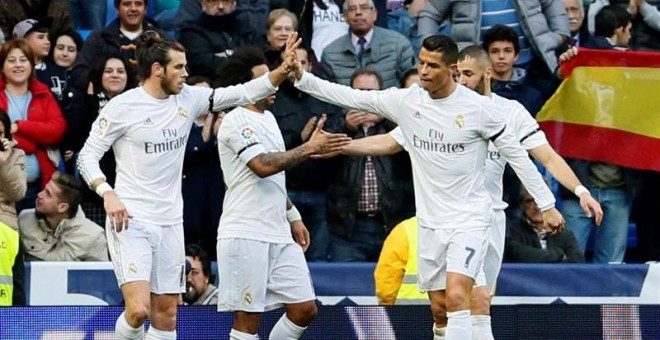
pixel 157 334
pixel 285 329
pixel 459 326
pixel 481 329
pixel 438 333
pixel 236 335
pixel 124 331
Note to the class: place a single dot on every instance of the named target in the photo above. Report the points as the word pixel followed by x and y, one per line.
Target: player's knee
pixel 457 299
pixel 302 314
pixel 137 313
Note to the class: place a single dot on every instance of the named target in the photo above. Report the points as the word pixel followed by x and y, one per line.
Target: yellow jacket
pixel 391 267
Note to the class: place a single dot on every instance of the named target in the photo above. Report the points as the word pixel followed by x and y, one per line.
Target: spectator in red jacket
pixel 37 124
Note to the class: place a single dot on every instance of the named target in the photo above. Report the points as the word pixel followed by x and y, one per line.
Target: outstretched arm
pixel 321 142
pixel 563 173
pixel 378 145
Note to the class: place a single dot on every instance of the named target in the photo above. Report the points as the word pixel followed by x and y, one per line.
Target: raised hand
pixel 322 142
pixel 308 129
pixel 6 150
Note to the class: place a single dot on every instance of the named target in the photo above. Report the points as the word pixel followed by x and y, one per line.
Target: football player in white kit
pixel 447 128
pixel 474 69
pixel 262 266
pixel 148 128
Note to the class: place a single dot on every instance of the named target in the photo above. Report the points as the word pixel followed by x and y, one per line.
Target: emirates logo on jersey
pixel 459 122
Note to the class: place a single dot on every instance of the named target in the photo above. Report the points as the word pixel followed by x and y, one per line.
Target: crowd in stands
pixel 54 83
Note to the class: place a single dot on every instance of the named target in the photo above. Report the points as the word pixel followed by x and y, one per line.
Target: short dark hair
pixel 367 72
pixel 97 68
pixel 198 79
pixel 117 2
pixel 75 36
pixel 476 52
pixel 501 32
pixel 237 69
pixel 442 44
pixel 408 74
pixel 609 19
pixel 153 48
pixel 197 252
pixel 6 123
pixel 71 191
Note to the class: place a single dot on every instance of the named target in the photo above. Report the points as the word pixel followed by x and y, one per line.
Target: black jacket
pixel 394 173
pixel 523 245
pixel 292 109
pixel 210 35
pixel 106 41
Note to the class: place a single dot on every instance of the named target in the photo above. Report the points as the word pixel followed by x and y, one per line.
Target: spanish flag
pixel 607 109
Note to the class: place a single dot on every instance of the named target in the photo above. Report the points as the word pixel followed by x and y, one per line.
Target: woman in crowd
pixel 37 133
pixel 109 76
pixel 58 65
pixel 281 23
pixel 13 177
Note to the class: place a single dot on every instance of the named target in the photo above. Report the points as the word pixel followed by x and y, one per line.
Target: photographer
pixel 13 176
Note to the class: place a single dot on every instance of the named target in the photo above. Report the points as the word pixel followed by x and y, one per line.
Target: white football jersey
pixel 148 137
pixel 254 207
pixel 527 132
pixel 448 143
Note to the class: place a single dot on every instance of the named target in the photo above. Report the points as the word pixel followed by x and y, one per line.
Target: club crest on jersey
pixel 101 127
pixel 248 133
pixel 459 121
pixel 183 114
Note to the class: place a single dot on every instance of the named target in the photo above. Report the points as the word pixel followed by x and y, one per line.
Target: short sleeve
pixel 241 137
pixel 397 134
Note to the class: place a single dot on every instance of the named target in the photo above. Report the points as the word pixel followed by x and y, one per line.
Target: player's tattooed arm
pixel 319 143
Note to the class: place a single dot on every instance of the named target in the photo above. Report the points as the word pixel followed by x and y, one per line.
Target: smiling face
pixel 131 14
pixel 65 51
pixel 279 32
pixel 17 68
pixel 114 77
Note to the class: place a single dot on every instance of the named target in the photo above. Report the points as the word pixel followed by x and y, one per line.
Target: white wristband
pixel 103 188
pixel 293 215
pixel 580 189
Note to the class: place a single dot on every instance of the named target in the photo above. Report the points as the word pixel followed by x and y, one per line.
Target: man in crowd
pixel 57 229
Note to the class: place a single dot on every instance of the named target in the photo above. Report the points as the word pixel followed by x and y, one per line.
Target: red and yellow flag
pixel 607 109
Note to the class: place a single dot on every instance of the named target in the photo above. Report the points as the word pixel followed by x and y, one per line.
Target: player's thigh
pixel 431 258
pixel 495 253
pixel 290 281
pixel 168 275
pixel 243 270
pixel 466 250
pixel 131 252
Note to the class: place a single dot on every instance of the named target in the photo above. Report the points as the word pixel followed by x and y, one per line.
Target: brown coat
pixel 13 184
pixel 12 12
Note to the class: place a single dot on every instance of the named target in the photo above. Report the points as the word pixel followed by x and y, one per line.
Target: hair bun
pixel 149 38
